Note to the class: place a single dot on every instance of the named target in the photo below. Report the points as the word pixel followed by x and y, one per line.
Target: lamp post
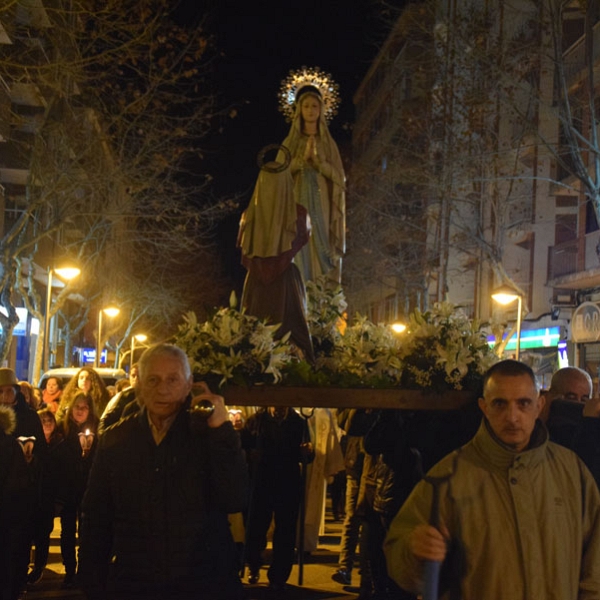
pixel 141 338
pixel 505 295
pixel 111 311
pixel 67 272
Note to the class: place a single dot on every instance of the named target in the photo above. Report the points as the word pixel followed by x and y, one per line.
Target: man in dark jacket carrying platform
pixel 154 521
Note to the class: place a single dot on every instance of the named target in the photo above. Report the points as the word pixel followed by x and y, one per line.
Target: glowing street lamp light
pixel 398 327
pixel 110 311
pixel 141 338
pixel 505 295
pixel 66 272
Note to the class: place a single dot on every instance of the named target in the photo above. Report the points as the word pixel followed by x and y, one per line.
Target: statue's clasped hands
pixel 310 152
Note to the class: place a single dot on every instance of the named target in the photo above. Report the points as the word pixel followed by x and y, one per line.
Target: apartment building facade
pixel 459 118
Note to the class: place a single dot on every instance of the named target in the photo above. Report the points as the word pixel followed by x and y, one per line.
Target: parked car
pixel 109 376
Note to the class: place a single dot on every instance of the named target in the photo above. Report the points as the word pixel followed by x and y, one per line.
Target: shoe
pixel 253 577
pixel 342 576
pixel 35 576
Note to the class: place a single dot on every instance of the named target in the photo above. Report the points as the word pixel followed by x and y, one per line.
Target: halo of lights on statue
pixel 505 294
pixel 308 76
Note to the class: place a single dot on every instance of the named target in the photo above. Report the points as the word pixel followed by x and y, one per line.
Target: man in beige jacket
pixel 519 515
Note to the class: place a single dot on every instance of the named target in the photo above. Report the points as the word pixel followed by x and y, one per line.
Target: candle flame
pixel 87 432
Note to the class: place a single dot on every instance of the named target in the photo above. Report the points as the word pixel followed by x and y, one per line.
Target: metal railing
pixel 562 259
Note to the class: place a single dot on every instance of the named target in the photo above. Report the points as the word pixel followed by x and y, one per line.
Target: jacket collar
pixel 501 456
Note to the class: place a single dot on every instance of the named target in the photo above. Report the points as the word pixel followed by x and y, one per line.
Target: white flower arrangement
pixel 234 347
pixel 326 310
pixel 369 352
pixel 441 349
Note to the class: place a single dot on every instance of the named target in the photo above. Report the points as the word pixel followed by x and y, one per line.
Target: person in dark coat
pixel 570 389
pixel 71 465
pixel 574 416
pixel 122 404
pixel 154 516
pixel 276 443
pixel 356 423
pixel 14 516
pixel 44 514
pixel 28 424
pixel 29 434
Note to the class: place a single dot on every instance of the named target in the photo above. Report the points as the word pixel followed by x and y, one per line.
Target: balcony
pixel 575 264
pixel 574 57
pixel 562 259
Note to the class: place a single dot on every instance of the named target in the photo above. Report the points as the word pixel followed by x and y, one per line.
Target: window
pixel 565 228
pixel 591 221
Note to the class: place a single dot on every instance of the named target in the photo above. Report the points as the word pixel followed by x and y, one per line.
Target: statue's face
pixel 311 109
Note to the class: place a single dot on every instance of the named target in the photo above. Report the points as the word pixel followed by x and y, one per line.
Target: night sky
pixel 259 43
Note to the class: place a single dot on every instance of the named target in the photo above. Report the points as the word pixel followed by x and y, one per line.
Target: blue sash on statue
pixel 314 259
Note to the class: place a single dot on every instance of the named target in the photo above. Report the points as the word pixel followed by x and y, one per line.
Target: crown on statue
pixel 306 77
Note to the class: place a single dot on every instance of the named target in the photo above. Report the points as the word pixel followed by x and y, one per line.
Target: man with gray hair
pixel 154 522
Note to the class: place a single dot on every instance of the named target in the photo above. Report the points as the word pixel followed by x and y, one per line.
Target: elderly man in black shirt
pixel 154 520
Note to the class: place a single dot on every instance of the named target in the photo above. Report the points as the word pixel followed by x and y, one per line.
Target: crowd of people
pixel 55 431
pixel 159 493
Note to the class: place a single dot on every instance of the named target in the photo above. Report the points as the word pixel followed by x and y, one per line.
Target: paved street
pixel 317 583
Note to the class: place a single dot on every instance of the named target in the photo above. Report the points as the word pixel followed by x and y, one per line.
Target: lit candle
pixel 86 439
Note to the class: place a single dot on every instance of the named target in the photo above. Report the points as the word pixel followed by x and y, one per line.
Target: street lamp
pixel 110 311
pixel 141 338
pixel 398 327
pixel 66 272
pixel 505 295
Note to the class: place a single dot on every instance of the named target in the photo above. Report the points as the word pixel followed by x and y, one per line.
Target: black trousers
pixel 281 503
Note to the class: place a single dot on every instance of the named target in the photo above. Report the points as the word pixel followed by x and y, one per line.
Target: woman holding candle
pixel 44 515
pixel 72 464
